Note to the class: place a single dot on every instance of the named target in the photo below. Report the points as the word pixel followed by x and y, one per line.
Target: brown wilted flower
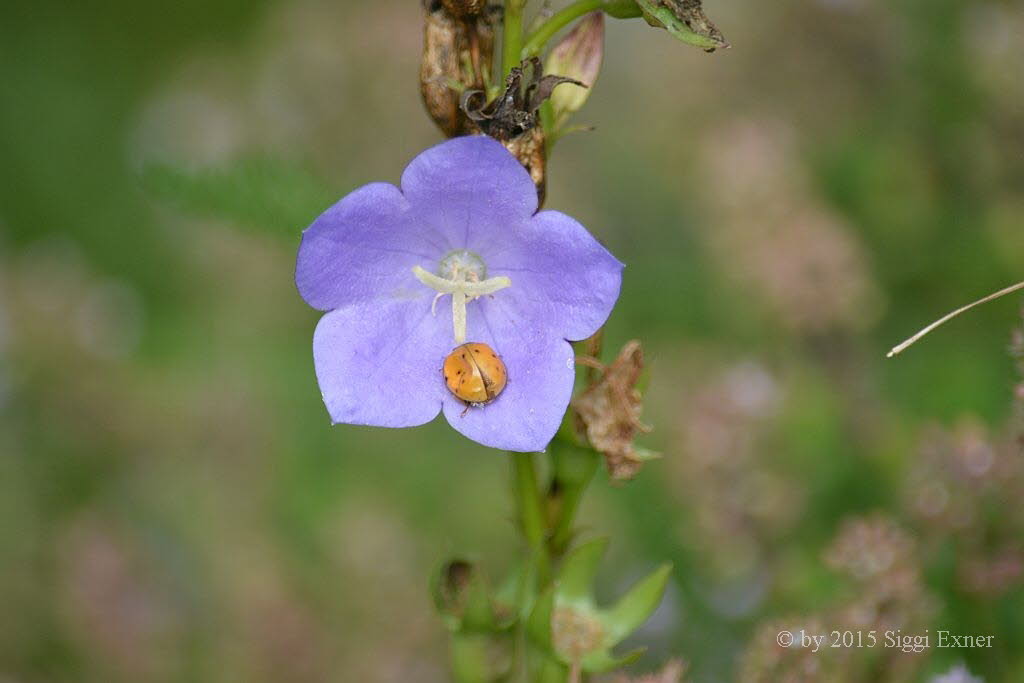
pixel 457 56
pixel 512 118
pixel 688 12
pixel 609 411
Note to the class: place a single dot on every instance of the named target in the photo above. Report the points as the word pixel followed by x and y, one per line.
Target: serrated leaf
pixel 634 608
pixel 576 578
pixel 258 193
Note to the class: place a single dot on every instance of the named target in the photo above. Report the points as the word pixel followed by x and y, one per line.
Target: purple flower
pixel 459 253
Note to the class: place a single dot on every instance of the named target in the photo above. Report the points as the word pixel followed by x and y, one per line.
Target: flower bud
pixel 577 56
pixel 457 56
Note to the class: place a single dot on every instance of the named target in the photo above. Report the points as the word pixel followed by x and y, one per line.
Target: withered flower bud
pixel 531 150
pixel 609 412
pixel 457 56
pixel 464 8
pixel 685 20
pixel 575 634
pixel 578 56
pixel 511 118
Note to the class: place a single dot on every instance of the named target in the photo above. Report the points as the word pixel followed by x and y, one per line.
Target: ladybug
pixel 475 373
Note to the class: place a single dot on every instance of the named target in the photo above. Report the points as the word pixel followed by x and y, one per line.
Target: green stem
pixel 574 469
pixel 531 511
pixel 536 41
pixel 512 37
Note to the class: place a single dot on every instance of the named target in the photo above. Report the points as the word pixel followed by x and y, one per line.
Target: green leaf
pixel 479 658
pixel 549 670
pixel 538 626
pixel 685 20
pixel 576 579
pixel 636 606
pixel 258 193
pixel 603 660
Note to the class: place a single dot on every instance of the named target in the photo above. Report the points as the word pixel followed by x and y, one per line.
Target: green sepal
pixel 634 608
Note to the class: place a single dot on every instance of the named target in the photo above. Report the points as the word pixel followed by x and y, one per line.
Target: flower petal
pixel 470 189
pixel 560 274
pixel 363 247
pixel 379 363
pixel 541 370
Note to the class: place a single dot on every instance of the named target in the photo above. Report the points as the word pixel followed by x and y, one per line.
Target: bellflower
pixel 459 253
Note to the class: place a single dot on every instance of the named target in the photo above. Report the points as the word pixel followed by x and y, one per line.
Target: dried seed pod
pixel 464 8
pixel 609 413
pixel 531 150
pixel 457 56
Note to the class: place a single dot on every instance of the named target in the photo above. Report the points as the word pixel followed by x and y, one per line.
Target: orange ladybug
pixel 475 373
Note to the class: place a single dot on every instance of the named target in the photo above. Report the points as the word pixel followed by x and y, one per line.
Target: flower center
pixel 462 274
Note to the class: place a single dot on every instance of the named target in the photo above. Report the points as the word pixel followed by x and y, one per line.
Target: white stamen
pixel 462 290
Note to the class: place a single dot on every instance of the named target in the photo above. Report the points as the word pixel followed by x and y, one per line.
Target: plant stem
pixel 574 469
pixel 559 20
pixel 531 512
pixel 512 36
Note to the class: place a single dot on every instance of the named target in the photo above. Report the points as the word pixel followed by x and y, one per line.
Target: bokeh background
pixel 174 505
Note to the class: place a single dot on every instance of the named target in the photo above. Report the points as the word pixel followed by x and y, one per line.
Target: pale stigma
pixel 464 285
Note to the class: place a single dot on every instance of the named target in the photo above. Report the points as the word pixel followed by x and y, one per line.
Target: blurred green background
pixel 174 505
